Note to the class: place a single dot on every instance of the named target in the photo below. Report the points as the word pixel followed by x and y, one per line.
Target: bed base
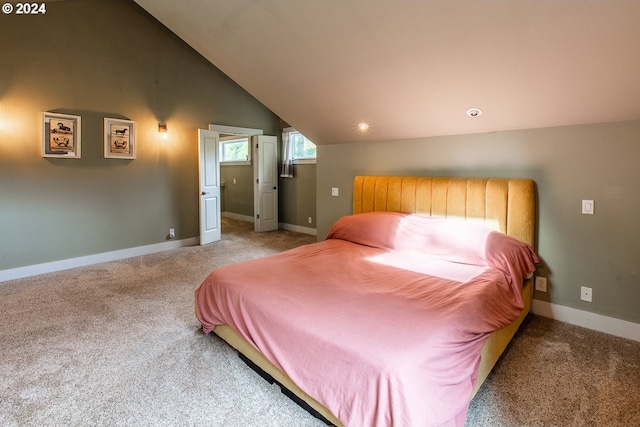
pixel 504 204
pixel 268 378
pixel 272 374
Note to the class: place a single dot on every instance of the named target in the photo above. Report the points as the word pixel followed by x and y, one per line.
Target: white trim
pixel 304 161
pixel 65 264
pixel 298 228
pixel 585 319
pixel 238 217
pixel 281 225
pixel 233 130
pixel 236 163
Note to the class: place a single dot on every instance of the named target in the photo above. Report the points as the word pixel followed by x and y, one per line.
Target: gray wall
pixel 96 59
pixel 568 164
pixel 238 197
pixel 298 197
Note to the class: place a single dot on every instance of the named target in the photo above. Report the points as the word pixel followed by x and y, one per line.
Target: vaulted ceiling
pixel 412 68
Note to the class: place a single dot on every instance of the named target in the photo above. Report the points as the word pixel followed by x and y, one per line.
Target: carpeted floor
pixel 556 374
pixel 117 344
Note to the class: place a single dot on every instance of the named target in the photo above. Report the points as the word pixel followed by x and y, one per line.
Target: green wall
pixel 568 164
pixel 238 196
pixel 96 59
pixel 298 197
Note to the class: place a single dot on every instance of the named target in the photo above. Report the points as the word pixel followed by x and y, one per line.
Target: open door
pixel 209 172
pixel 265 173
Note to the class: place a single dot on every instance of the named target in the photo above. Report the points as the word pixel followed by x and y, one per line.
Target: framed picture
pixel 119 139
pixel 61 135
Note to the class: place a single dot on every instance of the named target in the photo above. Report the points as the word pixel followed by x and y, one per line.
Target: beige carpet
pixel 556 374
pixel 117 344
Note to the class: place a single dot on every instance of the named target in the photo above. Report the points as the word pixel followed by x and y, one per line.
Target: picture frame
pixel 61 135
pixel 119 139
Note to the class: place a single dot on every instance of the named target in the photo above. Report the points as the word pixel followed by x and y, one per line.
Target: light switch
pixel 335 192
pixel 587 207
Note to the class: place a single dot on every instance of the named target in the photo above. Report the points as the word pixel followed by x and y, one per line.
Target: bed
pixel 370 328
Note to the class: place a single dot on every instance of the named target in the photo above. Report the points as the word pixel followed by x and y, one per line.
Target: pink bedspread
pixel 379 335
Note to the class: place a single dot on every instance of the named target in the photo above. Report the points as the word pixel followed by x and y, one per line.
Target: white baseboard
pixel 236 216
pixel 585 319
pixel 65 264
pixel 298 228
pixel 281 225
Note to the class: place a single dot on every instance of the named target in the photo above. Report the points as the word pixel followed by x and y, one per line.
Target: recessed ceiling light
pixel 474 112
pixel 363 126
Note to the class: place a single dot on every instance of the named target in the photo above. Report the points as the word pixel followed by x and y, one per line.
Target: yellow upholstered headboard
pixel 503 204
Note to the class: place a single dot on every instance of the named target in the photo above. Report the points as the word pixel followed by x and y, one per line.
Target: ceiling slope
pixel 412 68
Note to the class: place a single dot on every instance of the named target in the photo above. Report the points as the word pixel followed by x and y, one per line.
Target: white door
pixel 265 172
pixel 209 171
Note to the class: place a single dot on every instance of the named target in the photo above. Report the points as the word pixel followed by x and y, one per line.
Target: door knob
pixel 204 193
pixel 275 188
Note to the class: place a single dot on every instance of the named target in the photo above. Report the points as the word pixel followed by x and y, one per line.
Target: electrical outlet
pixel 172 233
pixel 588 207
pixel 541 284
pixel 585 294
pixel 310 220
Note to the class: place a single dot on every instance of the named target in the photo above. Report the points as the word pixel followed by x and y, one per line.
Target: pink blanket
pixel 384 321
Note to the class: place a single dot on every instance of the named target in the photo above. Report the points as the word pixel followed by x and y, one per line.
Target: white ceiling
pixel 412 68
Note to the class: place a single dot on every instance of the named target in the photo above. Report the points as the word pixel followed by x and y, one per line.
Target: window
pixel 302 149
pixel 296 149
pixel 235 150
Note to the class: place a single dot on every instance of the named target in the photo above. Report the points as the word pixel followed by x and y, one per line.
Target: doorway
pixel 248 189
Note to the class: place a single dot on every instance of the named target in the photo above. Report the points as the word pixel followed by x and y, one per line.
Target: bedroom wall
pixel 298 197
pixel 238 197
pixel 568 164
pixel 96 59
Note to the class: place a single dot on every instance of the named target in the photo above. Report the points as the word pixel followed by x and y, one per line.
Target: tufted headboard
pixel 503 204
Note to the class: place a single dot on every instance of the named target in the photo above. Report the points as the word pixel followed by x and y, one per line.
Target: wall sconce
pixel 162 129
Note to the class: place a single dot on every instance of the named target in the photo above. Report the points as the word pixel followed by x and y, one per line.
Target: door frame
pixel 234 130
pixel 239 131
